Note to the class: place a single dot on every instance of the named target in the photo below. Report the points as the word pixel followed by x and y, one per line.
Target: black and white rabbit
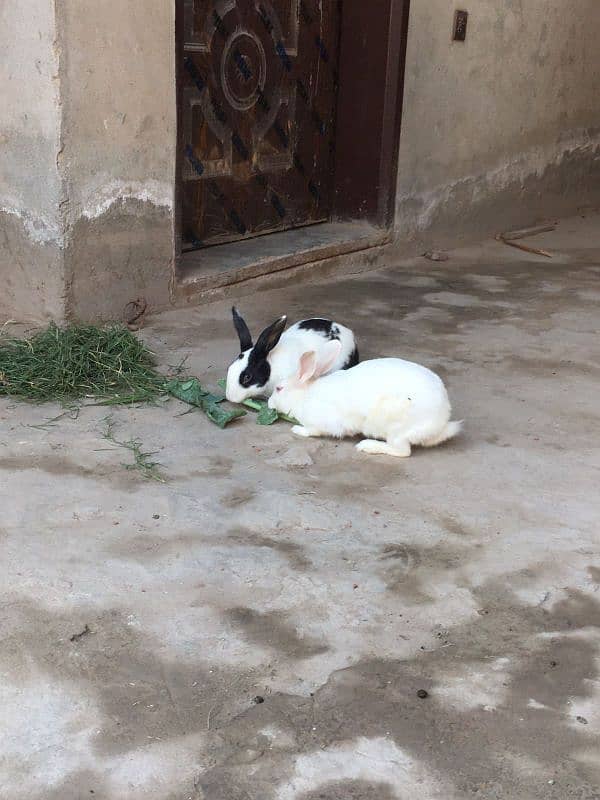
pixel 277 352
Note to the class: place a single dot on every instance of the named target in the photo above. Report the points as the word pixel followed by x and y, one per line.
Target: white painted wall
pixel 487 116
pixel 507 123
pixel 30 117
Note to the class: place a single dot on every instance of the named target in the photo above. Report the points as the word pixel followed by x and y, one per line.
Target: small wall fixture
pixel 460 26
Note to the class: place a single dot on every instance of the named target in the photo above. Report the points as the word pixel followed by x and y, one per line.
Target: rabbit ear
pixel 327 357
pixel 270 336
pixel 242 329
pixel 308 365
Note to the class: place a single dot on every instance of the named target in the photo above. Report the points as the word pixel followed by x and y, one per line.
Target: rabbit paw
pixel 375 447
pixel 300 430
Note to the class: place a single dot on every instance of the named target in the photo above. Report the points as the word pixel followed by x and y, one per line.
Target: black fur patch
pixel 257 373
pixel 353 359
pixel 324 326
pixel 242 330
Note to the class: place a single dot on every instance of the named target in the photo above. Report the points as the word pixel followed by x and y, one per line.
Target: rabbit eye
pixel 278 388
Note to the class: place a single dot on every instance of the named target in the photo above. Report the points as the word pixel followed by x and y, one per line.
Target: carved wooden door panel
pixel 257 111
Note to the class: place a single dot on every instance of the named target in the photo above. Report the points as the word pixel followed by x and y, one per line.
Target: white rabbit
pixel 395 403
pixel 276 354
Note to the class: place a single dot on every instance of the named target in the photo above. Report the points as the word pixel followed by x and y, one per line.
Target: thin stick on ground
pixel 525 247
pixel 522 233
pixel 141 459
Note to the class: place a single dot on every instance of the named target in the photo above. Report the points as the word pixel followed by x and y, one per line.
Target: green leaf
pixel 267 416
pixel 287 418
pixel 217 414
pixel 191 391
pixel 255 405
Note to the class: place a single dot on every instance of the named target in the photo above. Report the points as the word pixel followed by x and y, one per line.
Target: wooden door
pixel 258 86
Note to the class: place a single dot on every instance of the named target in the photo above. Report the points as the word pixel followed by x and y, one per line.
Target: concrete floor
pixel 329 584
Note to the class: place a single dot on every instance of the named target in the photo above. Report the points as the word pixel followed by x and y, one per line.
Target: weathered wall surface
pixel 119 151
pixel 31 231
pixel 506 126
pixel 501 129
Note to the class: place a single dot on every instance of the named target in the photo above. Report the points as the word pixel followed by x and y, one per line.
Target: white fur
pixel 394 403
pixel 284 360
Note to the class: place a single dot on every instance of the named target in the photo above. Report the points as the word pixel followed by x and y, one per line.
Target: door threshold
pixel 227 264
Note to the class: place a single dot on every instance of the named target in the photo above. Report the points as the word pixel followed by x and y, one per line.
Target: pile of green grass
pixel 64 364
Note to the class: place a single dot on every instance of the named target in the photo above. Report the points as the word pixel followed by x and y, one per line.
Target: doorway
pixel 288 117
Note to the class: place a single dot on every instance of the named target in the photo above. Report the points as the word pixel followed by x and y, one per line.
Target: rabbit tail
pixel 450 430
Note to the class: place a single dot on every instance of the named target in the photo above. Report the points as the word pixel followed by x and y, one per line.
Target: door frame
pixel 369 110
pixel 372 56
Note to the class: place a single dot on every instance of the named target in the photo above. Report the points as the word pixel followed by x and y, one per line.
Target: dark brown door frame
pixel 373 42
pixel 179 56
pixel 371 69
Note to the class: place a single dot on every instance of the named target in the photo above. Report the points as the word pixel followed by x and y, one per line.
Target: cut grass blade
pixel 141 459
pixel 72 412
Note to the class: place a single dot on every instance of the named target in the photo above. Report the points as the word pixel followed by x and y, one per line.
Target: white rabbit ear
pixel 327 357
pixel 308 365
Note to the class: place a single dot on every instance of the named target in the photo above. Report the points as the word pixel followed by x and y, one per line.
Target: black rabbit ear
pixel 242 329
pixel 270 336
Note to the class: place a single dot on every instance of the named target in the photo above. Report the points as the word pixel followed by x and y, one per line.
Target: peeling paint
pixel 40 229
pixel 526 165
pixel 43 230
pixel 100 200
pixel 31 119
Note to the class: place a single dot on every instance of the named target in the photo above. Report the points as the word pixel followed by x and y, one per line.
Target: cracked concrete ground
pixel 258 626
